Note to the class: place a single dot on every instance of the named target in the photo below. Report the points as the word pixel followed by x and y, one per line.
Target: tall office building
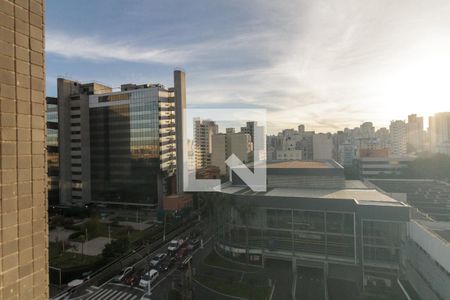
pixel 203 132
pixel 74 139
pixel 132 145
pixel 223 145
pixel 118 147
pixel 415 134
pixel 439 131
pixel 23 239
pixel 398 137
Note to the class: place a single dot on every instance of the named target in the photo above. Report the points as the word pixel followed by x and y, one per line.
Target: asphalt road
pixel 121 291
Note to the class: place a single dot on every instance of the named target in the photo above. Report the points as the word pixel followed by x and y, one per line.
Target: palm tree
pixel 247 212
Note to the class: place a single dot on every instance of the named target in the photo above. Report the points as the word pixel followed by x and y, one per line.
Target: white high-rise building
pixel 322 146
pixel 398 130
pixel 203 132
pixel 415 136
pixel 439 131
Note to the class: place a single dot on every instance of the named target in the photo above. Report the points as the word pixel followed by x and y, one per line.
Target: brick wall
pixel 23 238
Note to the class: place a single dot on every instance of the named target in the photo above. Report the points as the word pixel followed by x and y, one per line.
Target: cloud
pixel 88 48
pixel 326 63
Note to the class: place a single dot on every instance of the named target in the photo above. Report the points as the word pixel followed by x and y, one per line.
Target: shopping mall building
pixel 311 216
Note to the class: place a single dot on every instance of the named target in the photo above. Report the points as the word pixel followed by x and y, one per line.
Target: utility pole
pixel 164 231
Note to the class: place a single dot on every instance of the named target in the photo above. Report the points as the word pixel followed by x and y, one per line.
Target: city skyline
pixel 331 65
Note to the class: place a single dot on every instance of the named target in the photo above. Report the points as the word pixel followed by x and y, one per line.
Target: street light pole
pixel 164 233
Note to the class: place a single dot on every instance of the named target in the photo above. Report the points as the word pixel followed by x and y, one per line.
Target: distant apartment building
pixel 373 163
pixel 224 145
pixel 346 154
pixel 249 129
pixel 52 151
pixel 203 132
pixel 230 130
pixel 274 142
pixel 118 147
pixel 367 130
pixel 383 137
pixel 415 134
pixel 323 146
pixel 258 139
pixel 293 141
pixel 398 135
pixel 439 132
pixel 23 181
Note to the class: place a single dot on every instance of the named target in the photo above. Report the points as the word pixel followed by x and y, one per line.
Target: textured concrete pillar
pixel 23 211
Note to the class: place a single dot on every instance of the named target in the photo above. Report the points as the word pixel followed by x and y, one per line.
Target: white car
pixel 174 245
pixel 157 259
pixel 148 278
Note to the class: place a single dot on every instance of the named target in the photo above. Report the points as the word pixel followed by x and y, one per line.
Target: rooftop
pixel 361 195
pixel 300 164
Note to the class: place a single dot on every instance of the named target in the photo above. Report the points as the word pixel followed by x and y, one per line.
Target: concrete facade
pixel 223 145
pixel 24 234
pixel 180 128
pixel 74 136
pixel 398 130
pixel 203 132
pixel 322 146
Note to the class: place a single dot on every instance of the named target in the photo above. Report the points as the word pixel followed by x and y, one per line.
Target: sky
pixel 328 64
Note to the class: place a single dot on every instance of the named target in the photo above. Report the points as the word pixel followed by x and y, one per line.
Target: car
pixel 194 244
pixel 124 273
pixel 174 245
pixel 148 278
pixel 166 264
pixel 134 278
pixel 157 259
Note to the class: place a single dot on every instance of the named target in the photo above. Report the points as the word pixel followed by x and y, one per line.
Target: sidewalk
pixel 92 247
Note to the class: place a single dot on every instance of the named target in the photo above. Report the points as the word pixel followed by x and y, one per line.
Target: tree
pixel 93 227
pixel 427 166
pixel 116 248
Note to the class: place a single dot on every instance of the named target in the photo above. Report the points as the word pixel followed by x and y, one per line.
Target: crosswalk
pixel 110 294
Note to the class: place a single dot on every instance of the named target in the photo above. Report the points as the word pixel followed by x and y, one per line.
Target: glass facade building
pixel 132 145
pixel 52 151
